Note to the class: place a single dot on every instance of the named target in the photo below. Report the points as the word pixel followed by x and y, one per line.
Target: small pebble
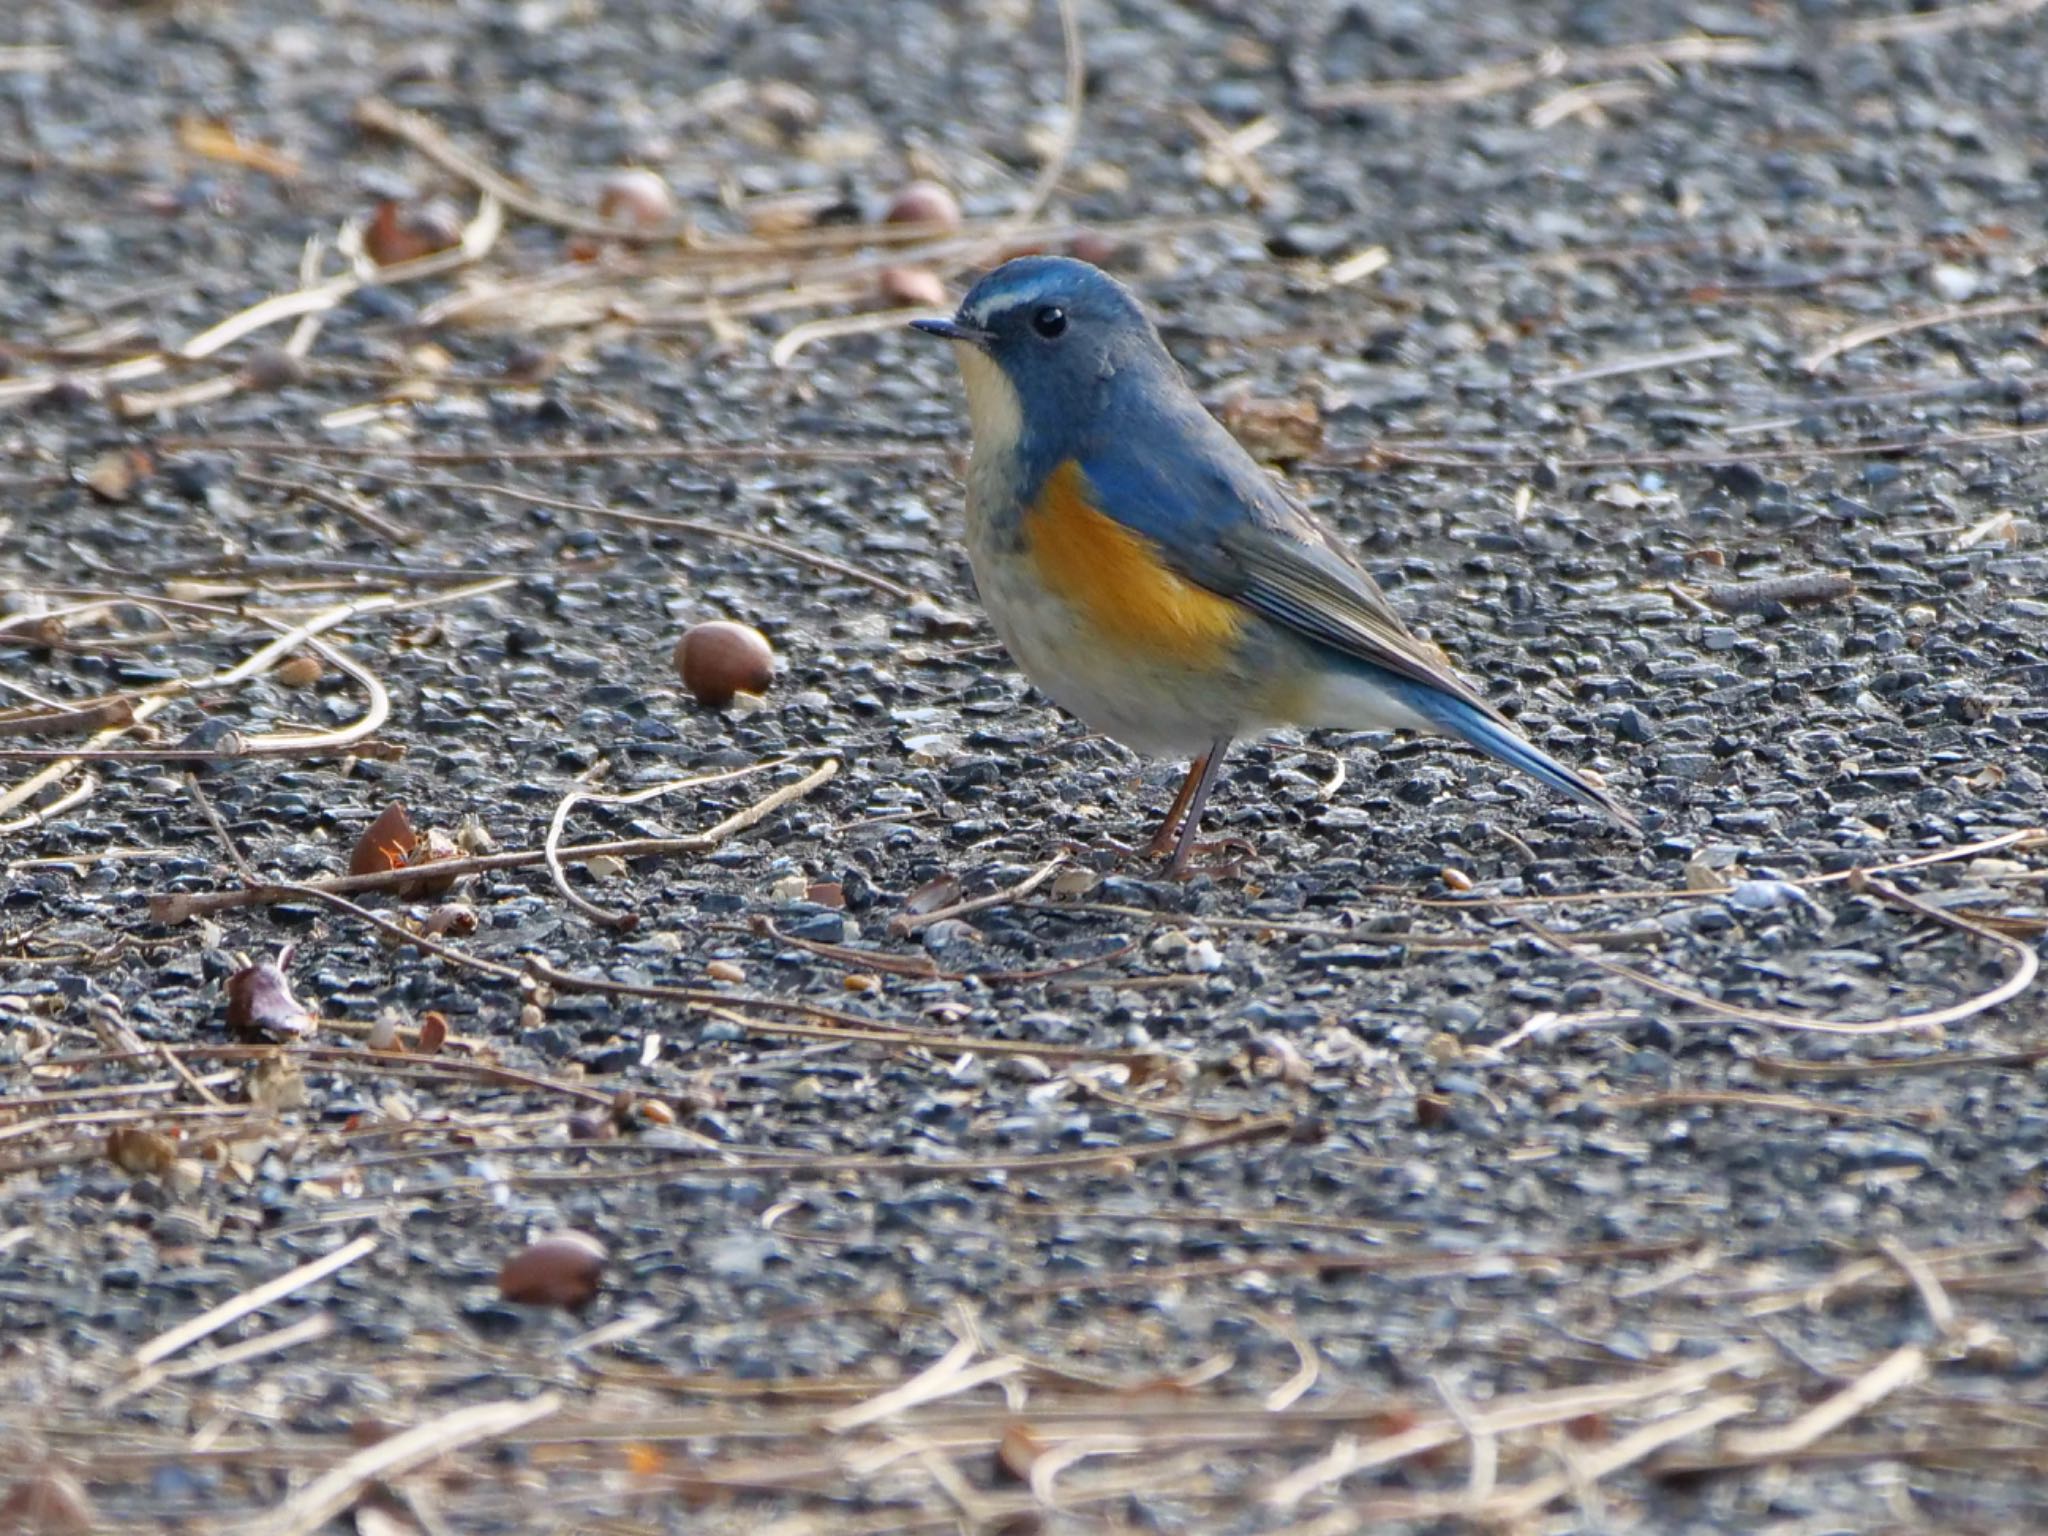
pixel 273 368
pixel 636 197
pixel 1952 283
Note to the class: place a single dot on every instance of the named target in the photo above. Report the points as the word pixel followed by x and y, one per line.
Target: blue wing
pixel 1227 525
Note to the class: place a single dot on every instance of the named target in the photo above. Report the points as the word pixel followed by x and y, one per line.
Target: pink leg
pixel 1203 777
pixel 1162 840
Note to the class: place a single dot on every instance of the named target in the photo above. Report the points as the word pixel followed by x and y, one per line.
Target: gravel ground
pixel 1443 1160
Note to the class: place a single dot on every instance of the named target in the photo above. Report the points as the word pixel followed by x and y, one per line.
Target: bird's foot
pixel 1194 859
pixel 1106 853
pixel 1100 852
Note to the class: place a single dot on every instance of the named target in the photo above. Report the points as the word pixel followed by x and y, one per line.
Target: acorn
pixel 720 659
pixel 912 288
pixel 924 202
pixel 563 1270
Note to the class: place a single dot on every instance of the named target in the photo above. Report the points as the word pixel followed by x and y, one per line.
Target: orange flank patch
pixel 1115 579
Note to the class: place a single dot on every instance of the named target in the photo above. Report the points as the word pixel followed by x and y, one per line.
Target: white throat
pixel 994 412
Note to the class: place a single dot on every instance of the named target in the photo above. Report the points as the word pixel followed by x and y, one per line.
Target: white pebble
pixel 1955 284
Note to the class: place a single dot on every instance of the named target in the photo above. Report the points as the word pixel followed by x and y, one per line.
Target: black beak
pixel 952 330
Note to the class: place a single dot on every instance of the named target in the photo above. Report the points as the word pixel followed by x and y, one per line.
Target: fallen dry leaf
pixel 260 1002
pixel 275 1083
pixel 456 919
pixel 115 473
pixel 135 1150
pixel 217 141
pixel 386 845
pixel 390 842
pixel 435 848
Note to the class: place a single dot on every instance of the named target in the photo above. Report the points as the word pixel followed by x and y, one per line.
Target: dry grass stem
pixel 1904 325
pixel 1900 1368
pixel 164 1345
pixel 336 1489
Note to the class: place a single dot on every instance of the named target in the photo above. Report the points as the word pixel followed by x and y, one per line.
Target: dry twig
pixel 1787 591
pixel 904 924
pixel 1529 1410
pixel 182 906
pixel 1935 23
pixel 1551 63
pixel 166 1344
pixel 1647 362
pixel 1902 325
pixel 426 136
pixel 1900 1368
pixel 625 922
pixel 2027 966
pixel 339 1487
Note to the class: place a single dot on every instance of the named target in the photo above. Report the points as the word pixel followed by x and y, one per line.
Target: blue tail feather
pixel 1454 717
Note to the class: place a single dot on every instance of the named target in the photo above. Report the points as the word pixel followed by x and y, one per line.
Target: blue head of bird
pixel 1047 346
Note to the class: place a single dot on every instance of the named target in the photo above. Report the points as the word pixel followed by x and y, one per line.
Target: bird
pixel 1146 573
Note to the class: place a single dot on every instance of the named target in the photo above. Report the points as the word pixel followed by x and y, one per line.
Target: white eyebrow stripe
pixel 1011 298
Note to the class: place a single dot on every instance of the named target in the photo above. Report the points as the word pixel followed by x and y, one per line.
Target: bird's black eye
pixel 1050 322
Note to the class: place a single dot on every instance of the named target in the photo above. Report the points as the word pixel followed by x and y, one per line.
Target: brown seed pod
pixel 720 659
pixel 563 1270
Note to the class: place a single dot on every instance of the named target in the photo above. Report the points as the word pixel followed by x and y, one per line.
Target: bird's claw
pixel 1231 868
